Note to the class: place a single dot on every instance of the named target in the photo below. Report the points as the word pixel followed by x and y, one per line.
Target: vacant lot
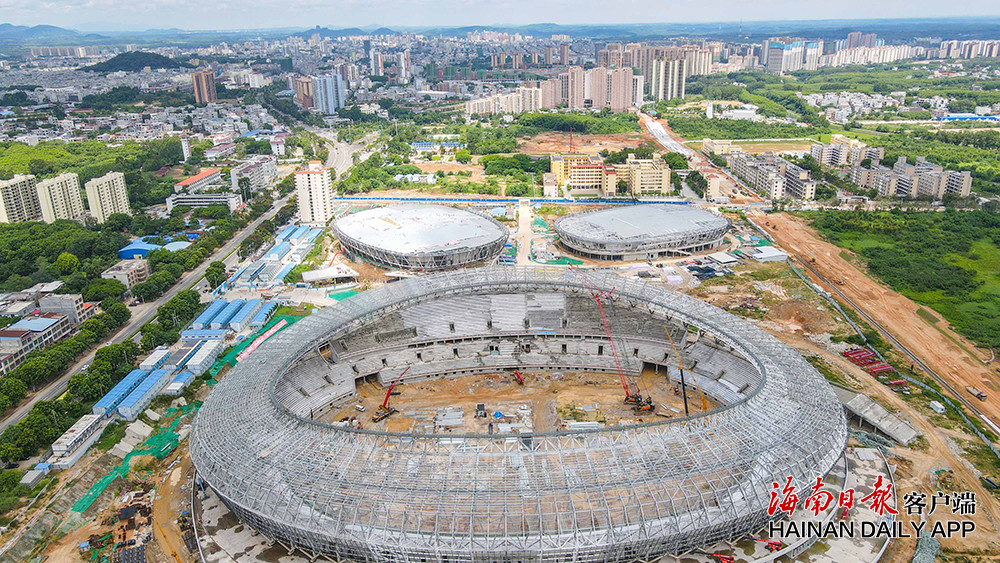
pixel 550 142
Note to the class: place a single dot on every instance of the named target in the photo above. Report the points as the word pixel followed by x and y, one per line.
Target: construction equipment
pixel 680 366
pixel 719 557
pixel 519 377
pixel 977 393
pixel 632 395
pixel 771 545
pixel 385 411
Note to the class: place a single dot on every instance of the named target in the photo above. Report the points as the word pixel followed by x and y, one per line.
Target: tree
pixel 463 156
pixel 215 274
pixel 244 185
pixel 675 161
pixel 102 289
pixel 118 222
pixel 10 453
pixel 67 263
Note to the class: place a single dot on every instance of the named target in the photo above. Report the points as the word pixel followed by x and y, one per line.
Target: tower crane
pixel 385 411
pixel 632 395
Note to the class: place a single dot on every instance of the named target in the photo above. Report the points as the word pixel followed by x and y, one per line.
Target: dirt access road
pixel 937 345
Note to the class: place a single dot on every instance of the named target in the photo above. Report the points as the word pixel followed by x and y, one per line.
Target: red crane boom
pixel 630 396
pixel 385 403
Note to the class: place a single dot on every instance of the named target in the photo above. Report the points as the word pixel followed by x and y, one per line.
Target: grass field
pixel 980 307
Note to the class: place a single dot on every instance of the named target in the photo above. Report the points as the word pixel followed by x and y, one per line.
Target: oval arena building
pixel 265 444
pixel 641 231
pixel 421 236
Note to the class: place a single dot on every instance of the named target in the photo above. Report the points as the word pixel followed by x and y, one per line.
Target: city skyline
pixel 116 15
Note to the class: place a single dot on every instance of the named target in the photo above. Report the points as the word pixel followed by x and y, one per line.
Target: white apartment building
pixel 231 201
pixel 667 79
pixel 19 200
pixel 314 193
pixel 645 176
pixel 108 195
pixel 59 197
pixel 261 170
pixel 129 272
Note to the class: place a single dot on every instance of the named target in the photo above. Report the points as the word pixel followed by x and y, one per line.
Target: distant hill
pixel 134 62
pixel 40 33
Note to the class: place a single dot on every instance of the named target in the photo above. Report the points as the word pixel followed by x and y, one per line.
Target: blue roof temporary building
pixel 224 316
pixel 261 317
pixel 206 316
pixel 137 249
pixel 246 312
pixel 136 401
pixel 278 250
pixel 206 334
pixel 110 401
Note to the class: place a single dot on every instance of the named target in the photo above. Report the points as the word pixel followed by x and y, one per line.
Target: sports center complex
pixel 468 465
pixel 641 232
pixel 423 237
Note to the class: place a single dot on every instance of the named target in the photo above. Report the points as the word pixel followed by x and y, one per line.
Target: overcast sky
pixel 243 14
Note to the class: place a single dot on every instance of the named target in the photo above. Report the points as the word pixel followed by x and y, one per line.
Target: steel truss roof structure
pixel 421 237
pixel 639 231
pixel 614 494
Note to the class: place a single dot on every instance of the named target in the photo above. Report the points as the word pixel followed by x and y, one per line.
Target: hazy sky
pixel 242 14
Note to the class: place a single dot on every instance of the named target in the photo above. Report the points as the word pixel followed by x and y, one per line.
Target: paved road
pixel 140 316
pixel 524 233
pixel 663 138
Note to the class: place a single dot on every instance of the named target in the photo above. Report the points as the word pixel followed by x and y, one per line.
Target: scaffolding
pixel 611 494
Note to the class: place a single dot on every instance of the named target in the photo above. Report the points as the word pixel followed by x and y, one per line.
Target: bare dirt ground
pixel 546 143
pixel 171 498
pixel 895 312
pixel 552 396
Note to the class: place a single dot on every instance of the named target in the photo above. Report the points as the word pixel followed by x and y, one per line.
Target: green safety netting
pixel 341 295
pixel 540 224
pixel 159 445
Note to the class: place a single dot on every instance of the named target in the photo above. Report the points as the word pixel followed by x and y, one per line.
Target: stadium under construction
pixel 641 232
pixel 421 236
pixel 264 439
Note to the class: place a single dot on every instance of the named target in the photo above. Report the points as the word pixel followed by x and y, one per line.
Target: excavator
pixel 385 411
pixel 519 377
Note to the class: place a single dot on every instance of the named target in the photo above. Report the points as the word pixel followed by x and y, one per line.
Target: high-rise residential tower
pixel 59 197
pixel 107 195
pixel 314 193
pixel 204 86
pixel 19 199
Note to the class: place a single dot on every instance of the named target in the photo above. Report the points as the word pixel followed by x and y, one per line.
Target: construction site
pixel 590 455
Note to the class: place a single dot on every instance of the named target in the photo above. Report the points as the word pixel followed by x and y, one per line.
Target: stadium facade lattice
pixel 421 236
pixel 620 493
pixel 641 232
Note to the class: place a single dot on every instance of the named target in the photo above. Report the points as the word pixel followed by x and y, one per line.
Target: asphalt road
pixel 140 316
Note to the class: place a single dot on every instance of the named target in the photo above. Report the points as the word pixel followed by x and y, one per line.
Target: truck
pixel 976 392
